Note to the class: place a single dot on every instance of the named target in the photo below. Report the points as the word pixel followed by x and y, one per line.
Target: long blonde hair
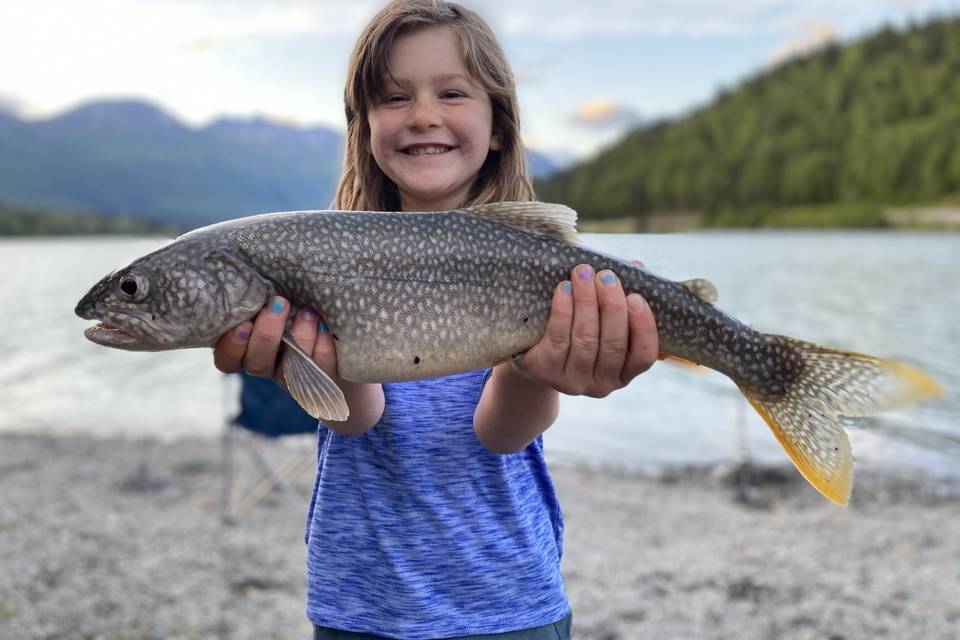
pixel 503 176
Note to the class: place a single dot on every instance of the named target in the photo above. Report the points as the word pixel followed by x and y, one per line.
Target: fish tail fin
pixel 803 412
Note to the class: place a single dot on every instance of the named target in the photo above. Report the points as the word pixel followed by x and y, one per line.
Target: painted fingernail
pixel 323 327
pixel 566 287
pixel 585 272
pixel 242 333
pixel 277 306
pixel 308 314
pixel 636 302
pixel 608 278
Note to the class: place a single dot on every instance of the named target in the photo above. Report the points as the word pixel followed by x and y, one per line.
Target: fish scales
pixel 421 295
pixel 418 295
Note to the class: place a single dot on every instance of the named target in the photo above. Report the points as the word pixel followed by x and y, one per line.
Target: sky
pixel 587 70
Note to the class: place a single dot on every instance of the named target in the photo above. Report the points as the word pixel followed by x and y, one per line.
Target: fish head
pixel 184 295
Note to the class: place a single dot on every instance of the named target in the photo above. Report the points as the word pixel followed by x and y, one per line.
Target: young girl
pixel 434 515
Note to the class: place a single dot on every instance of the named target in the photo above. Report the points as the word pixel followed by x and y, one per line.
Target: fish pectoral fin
pixel 310 386
pixel 557 220
pixel 702 288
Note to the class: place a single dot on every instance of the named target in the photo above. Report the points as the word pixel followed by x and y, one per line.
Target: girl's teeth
pixel 415 151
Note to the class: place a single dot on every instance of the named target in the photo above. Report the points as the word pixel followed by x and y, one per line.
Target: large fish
pixel 417 295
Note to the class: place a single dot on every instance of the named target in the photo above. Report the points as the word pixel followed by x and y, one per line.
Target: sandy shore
pixel 119 539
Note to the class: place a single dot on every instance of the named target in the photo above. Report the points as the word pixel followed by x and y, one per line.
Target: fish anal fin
pixel 702 288
pixel 695 366
pixel 310 386
pixel 556 220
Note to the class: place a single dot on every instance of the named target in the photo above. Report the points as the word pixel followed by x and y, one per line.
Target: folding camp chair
pixel 267 413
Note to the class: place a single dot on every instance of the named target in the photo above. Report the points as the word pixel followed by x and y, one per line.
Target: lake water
pixel 889 294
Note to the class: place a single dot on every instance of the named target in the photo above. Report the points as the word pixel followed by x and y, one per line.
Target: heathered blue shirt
pixel 416 531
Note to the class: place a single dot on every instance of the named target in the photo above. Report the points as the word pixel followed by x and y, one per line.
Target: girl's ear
pixel 496 143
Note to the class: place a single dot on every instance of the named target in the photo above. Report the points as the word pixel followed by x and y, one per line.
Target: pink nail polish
pixel 585 272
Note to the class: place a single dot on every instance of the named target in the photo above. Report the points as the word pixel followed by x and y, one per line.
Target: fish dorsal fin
pixel 703 289
pixel 310 386
pixel 556 220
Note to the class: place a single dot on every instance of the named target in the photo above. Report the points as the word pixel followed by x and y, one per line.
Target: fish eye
pixel 133 287
pixel 129 286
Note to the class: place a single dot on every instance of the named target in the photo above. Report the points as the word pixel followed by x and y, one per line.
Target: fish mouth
pixel 111 330
pixel 109 335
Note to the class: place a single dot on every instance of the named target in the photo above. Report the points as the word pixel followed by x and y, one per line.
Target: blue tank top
pixel 416 531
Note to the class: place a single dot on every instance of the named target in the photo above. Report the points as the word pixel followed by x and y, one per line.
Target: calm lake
pixel 893 294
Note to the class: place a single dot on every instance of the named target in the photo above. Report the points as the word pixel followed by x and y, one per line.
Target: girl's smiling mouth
pixel 426 149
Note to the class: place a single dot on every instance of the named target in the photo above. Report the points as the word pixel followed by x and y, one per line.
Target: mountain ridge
pixel 129 157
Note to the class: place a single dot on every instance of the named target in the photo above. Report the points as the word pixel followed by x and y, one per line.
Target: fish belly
pixel 394 330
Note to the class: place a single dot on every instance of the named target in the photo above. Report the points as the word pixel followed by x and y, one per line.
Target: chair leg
pixel 227 455
pixel 281 479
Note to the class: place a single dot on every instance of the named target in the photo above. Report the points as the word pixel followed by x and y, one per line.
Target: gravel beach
pixel 122 539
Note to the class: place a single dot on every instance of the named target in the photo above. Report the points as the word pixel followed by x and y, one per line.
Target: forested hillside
pixel 847 130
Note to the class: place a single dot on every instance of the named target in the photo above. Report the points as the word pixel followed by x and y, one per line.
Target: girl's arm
pixel 253 346
pixel 596 341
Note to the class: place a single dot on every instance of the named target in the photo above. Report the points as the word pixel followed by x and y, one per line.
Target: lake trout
pixel 417 295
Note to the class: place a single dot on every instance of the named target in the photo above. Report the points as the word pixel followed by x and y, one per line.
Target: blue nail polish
pixel 277 306
pixel 608 278
pixel 567 287
pixel 323 327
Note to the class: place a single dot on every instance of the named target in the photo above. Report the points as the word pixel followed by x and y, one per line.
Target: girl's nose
pixel 423 115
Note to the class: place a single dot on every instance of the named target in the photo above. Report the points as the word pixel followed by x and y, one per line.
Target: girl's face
pixel 432 128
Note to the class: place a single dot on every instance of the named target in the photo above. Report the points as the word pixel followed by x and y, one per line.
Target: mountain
pixel 851 128
pixel 132 158
pixel 541 166
pixel 129 157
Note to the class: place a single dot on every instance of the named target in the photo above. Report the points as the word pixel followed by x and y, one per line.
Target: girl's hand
pixel 253 347
pixel 597 339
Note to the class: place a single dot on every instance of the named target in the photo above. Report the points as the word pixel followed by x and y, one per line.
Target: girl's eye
pixel 449 95
pixel 395 98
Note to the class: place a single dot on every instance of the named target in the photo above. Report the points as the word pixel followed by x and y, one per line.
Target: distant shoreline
pixel 919 218
pixel 15 222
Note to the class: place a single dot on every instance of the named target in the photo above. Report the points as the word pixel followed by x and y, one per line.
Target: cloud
pixel 12 105
pixel 604 113
pixel 201 45
pixel 816 35
pixel 687 18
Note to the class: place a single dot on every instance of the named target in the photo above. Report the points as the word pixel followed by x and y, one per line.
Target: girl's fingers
pixel 304 328
pixel 232 346
pixel 261 357
pixel 644 343
pixel 614 336
pixel 325 349
pixel 545 360
pixel 585 334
